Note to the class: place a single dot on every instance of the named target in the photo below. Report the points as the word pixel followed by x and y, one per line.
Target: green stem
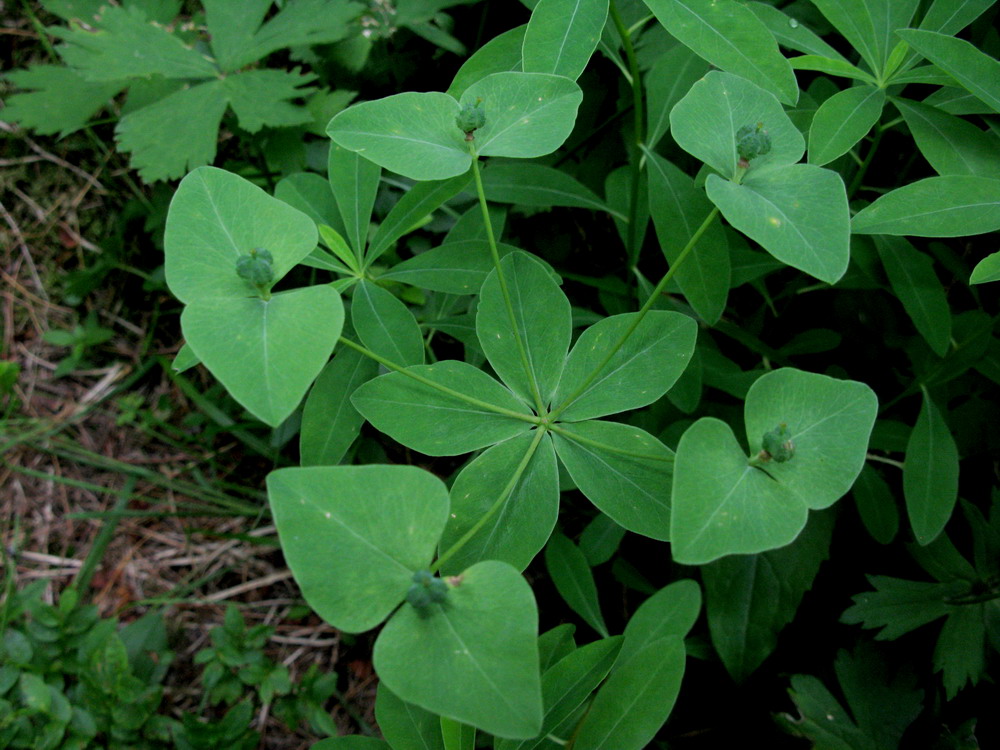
pixel 863 169
pixel 639 117
pixel 504 495
pixel 653 297
pixel 504 290
pixel 608 448
pixel 82 581
pixel 884 460
pixel 408 372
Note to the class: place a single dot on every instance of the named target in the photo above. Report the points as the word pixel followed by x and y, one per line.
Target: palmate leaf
pixel 262 97
pixel 56 99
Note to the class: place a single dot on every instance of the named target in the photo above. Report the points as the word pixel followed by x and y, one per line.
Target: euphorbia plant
pixel 441 564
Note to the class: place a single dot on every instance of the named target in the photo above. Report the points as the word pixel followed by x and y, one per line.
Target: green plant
pixel 673 421
pixel 78 339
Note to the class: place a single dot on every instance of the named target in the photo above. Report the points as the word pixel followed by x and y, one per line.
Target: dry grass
pixel 71 445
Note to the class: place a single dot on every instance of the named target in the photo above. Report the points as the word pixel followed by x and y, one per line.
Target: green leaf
pixel 453 268
pixel 329 422
pixel 732 38
pixel 214 218
pixel 385 325
pixel 350 743
pixel 354 182
pixel 798 213
pixel 951 16
pixel 519 529
pixel 623 470
pixel 705 122
pixel 930 474
pixel 898 606
pixel 266 353
pixel 724 504
pixel 949 206
pixel 600 539
pixel 542 319
pixel 126 45
pixel 554 645
pixel 959 653
pixel 638 696
pixel 527 114
pixel 843 120
pixel 411 133
pixel 573 580
pixel 299 23
pixel 405 726
pixel 473 659
pixel 666 83
pixel 467 409
pixel 951 145
pixel 914 281
pixel 457 736
pixel 750 598
pixel 310 194
pixel 56 99
pixel 869 25
pixel 562 35
pixel 421 200
pixel 174 135
pixel 354 535
pixel 986 270
pixel 876 505
pixel 978 73
pixel 678 209
pixel 637 374
pixel 537 185
pixel 567 685
pixel 791 33
pixel 831 66
pixel 232 27
pixel 500 54
pixel 261 97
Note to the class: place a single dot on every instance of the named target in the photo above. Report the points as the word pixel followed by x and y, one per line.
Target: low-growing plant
pixel 680 402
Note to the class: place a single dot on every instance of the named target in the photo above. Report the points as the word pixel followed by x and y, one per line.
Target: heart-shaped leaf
pixel 354 535
pixel 266 352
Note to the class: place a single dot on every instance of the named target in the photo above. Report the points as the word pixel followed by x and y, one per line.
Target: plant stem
pixel 657 291
pixel 504 289
pixel 863 169
pixel 639 117
pixel 884 460
pixel 504 495
pixel 408 372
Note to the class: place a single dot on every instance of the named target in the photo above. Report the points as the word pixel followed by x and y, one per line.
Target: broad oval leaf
pixel 266 353
pixel 930 474
pixel 448 408
pixel 500 54
pixel 473 659
pixel 354 535
pixel 562 35
pixel 949 206
pixel 528 355
pixel 638 373
pixel 385 325
pixel 521 526
pixel 214 218
pixel 624 471
pixel 732 38
pixel 705 122
pixel 798 213
pixel 843 120
pixel 986 270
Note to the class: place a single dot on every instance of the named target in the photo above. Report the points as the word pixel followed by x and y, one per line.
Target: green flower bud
pixel 255 267
pixel 426 590
pixel 470 118
pixel 752 141
pixel 777 445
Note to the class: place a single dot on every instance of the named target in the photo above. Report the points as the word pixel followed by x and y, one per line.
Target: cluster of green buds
pixel 426 590
pixel 470 118
pixel 752 141
pixel 777 445
pixel 255 267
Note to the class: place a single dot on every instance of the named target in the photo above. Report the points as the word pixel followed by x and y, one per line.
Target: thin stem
pixel 884 460
pixel 863 169
pixel 608 448
pixel 104 536
pixel 408 372
pixel 655 295
pixel 639 117
pixel 504 289
pixel 501 499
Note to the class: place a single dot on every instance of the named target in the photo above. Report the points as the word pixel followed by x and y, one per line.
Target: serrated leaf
pixel 898 606
pixel 176 134
pixel 231 27
pixel 843 120
pixel 354 535
pixel 474 659
pixel 562 35
pixel 520 527
pixel 573 580
pixel 126 45
pixel 930 474
pixel 469 411
pixel 56 99
pixel 261 97
pixel 732 38
pixel 959 653
pixel 916 285
pixel 798 213
pixel 978 73
pixel 300 23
